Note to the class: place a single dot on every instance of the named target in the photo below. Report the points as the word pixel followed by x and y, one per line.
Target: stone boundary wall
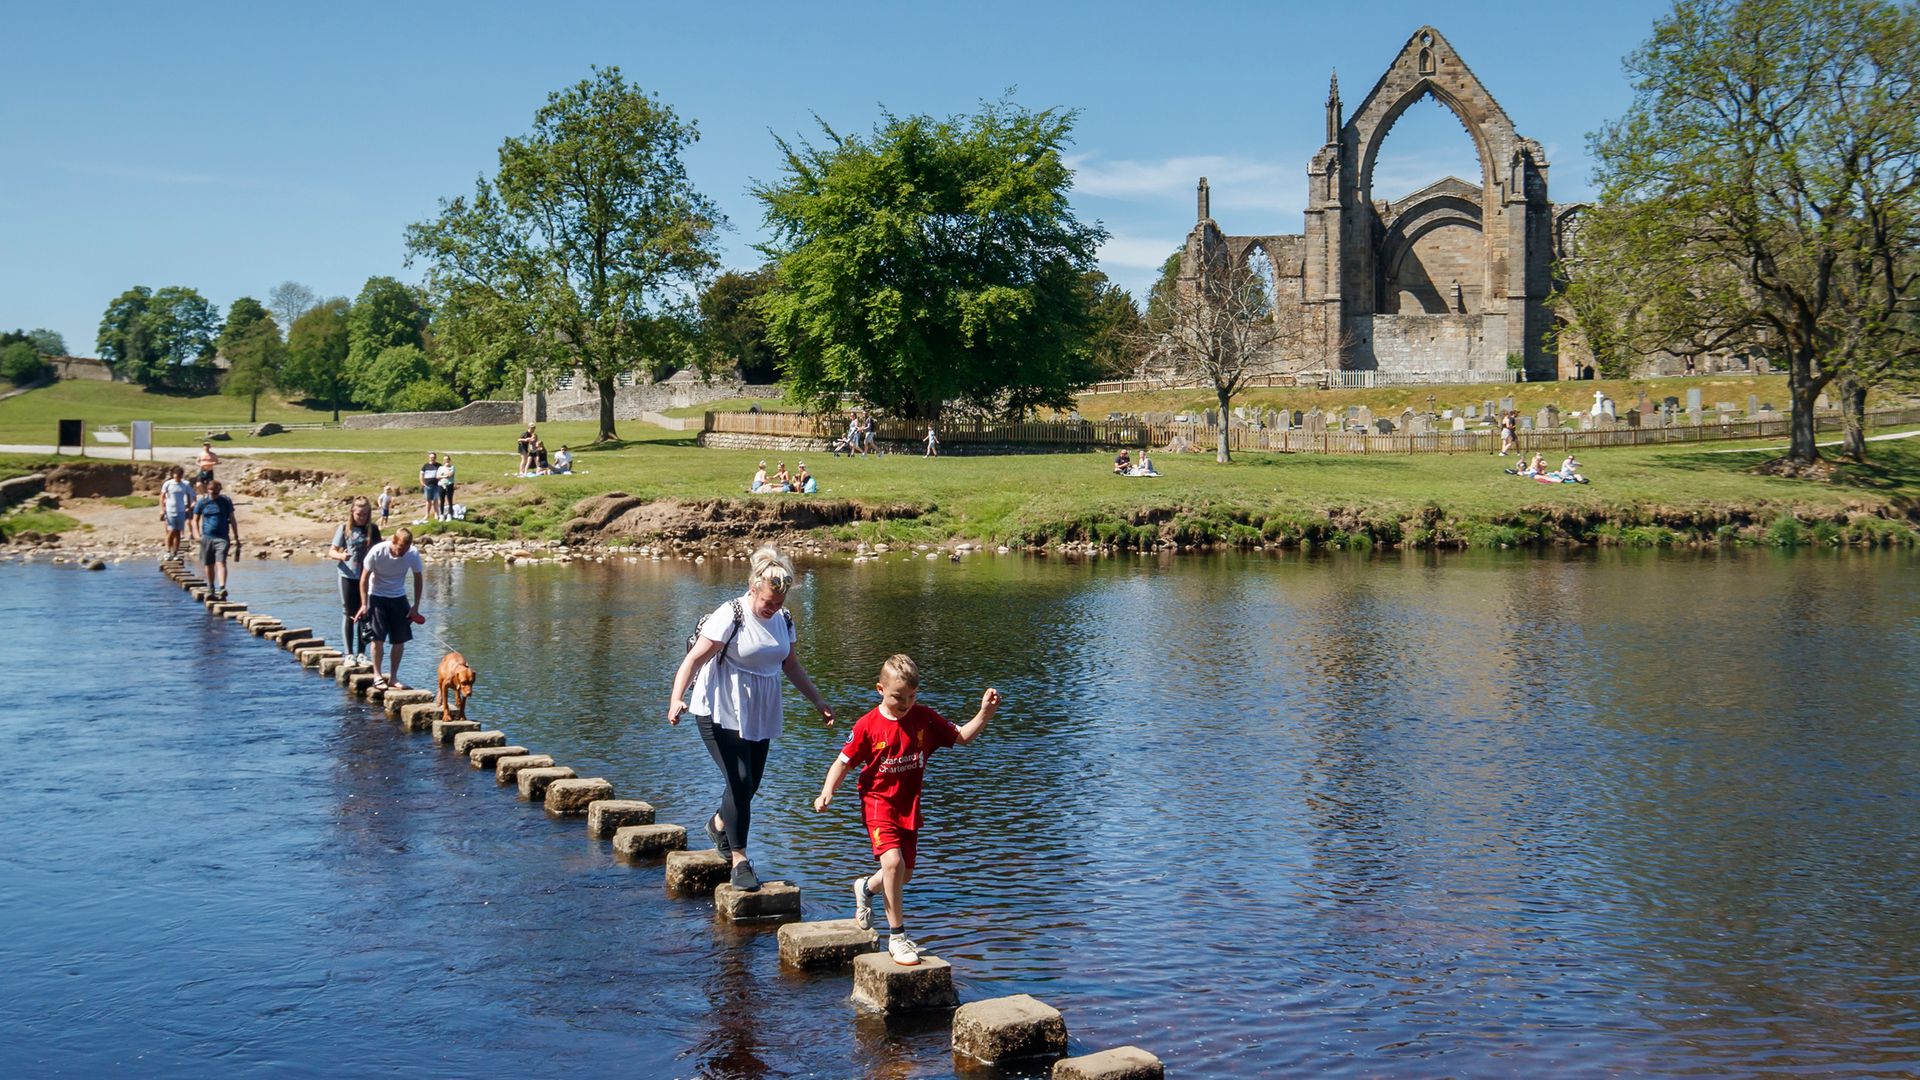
pixel 791 444
pixel 81 367
pixel 472 414
pixel 581 401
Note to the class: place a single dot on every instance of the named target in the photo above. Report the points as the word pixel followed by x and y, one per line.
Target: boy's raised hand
pixel 990 701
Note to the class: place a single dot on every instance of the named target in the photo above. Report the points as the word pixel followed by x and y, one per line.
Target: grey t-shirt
pixel 355 540
pixel 390 570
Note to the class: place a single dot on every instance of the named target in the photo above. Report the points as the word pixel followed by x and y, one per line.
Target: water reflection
pixel 1417 815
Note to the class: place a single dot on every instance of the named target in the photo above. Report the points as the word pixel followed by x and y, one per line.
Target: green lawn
pixel 31 417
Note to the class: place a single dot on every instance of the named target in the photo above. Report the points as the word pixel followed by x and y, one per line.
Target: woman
pixel 782 480
pixel 349 548
pixel 738 655
pixel 759 484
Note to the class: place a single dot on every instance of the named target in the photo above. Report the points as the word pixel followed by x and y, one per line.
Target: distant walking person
pixel 430 484
pixel 218 532
pixel 386 504
pixel 351 542
pixel 176 503
pixel 933 442
pixel 446 487
pixel 383 601
pixel 734 666
pixel 1508 420
pixel 522 446
pixel 207 460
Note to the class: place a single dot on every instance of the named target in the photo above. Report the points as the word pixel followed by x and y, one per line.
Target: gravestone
pixel 1547 419
pixel 1753 406
pixel 1353 412
pixel 1606 406
pixel 1298 418
pixel 1642 404
pixel 1283 420
pixel 1506 404
pixel 1314 422
pixel 1633 418
pixel 1420 424
pixel 1473 412
pixel 1526 423
pixel 1693 399
pixel 1603 421
pixel 1822 402
pixel 1670 402
pixel 1486 409
pixel 1459 423
pixel 1406 420
pixel 1362 416
pixel 1383 425
pixel 1446 414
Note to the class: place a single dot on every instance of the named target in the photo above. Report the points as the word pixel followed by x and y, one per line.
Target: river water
pixel 1463 815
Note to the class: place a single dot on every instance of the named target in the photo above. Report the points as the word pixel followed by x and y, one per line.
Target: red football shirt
pixel 892 756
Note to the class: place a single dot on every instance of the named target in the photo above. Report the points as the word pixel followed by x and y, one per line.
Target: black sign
pixel 72 435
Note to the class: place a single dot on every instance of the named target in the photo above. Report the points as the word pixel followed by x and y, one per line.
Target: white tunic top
pixel 741 689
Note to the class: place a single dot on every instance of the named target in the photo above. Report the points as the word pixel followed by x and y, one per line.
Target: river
pixel 1475 814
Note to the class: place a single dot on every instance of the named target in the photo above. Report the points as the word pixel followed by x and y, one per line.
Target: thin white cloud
pixel 1138 252
pixel 145 174
pixel 1234 181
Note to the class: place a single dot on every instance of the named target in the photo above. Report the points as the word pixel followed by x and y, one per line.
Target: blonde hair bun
pixel 772 569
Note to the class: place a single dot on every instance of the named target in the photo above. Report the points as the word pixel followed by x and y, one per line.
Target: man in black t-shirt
pixel 430 483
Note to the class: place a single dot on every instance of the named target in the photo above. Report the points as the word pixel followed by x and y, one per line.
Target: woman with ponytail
pixel 734 665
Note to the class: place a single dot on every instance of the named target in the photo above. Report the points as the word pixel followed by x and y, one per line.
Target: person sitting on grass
pixel 759 485
pixel 1539 465
pixel 1122 463
pixel 1570 471
pixel 563 461
pixel 891 745
pixel 1145 467
pixel 804 482
pixel 782 481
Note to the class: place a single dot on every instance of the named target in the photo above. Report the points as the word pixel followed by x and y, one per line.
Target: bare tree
pixel 289 300
pixel 1222 327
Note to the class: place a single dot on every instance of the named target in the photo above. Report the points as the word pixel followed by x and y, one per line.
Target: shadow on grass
pixel 1891 467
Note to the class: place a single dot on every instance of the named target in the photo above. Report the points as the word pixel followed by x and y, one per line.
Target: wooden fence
pixel 1113 434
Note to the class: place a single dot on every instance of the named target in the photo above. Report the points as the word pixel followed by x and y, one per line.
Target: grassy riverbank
pixel 1639 495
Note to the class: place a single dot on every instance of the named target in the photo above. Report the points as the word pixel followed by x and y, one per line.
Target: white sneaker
pixel 904 952
pixel 862 904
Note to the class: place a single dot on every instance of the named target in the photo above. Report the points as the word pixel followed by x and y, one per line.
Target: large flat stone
pixel 832 943
pixel 533 782
pixel 574 795
pixel 345 673
pixel 372 692
pixel 284 633
pixel 486 757
pixel 329 665
pixel 773 901
pixel 312 657
pixel 294 645
pixel 1019 1027
pixel 417 716
pixel 466 742
pixel 444 729
pixel 395 700
pixel 505 769
pixel 640 841
pixel 879 983
pixel 359 682
pixel 605 816
pixel 1119 1063
pixel 262 627
pixel 693 871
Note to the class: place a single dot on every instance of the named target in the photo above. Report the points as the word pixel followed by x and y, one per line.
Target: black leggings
pixel 351 632
pixel 742 760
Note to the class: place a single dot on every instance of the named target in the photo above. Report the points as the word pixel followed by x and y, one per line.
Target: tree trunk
pixel 336 397
pixel 1853 407
pixel 1804 390
pixel 607 434
pixel 1222 452
pixel 253 409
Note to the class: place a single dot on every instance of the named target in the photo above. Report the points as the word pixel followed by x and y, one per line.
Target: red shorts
pixel 888 836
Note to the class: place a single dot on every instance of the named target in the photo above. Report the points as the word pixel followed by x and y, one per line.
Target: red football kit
pixel 892 757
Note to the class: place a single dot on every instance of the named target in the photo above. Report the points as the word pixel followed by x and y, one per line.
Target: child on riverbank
pixel 891 744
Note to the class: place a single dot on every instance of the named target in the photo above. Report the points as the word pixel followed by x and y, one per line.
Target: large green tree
pixel 1114 343
pixel 122 341
pixel 732 329
pixel 1763 193
pixel 483 349
pixel 932 262
pixel 387 313
pixel 317 347
pixel 20 362
pixel 163 339
pixel 255 356
pixel 588 239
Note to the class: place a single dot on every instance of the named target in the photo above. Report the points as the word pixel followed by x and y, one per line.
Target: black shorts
pixel 390 622
pixel 203 476
pixel 349 596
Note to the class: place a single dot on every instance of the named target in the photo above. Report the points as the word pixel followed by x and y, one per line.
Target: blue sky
pixel 230 147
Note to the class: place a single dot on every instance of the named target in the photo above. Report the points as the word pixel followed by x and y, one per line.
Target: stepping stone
pixel 533 782
pixel 505 769
pixel 639 841
pixel 1119 1063
pixel 395 700
pixel 312 657
pixel 486 757
pixel 832 943
pixel 691 871
pixel 606 816
pixel 347 671
pixel 573 796
pixel 331 665
pixel 1016 1028
pixel 417 716
pixel 773 901
pixel 466 742
pixel 879 983
pixel 444 730
pixel 359 682
pixel 230 611
pixel 278 636
pixel 294 645
pixel 371 693
pixel 263 627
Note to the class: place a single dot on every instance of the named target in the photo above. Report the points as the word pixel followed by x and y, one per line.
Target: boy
pixel 891 745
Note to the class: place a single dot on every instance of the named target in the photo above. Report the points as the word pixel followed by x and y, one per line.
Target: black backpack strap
pixel 739 620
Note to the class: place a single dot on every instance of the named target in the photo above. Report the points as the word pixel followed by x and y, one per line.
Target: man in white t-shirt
pixel 176 501
pixel 383 591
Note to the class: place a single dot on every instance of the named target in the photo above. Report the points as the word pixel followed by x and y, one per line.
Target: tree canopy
pixel 1762 192
pixel 586 242
pixel 735 332
pixel 933 261
pixel 254 352
pixel 317 346
pixel 165 338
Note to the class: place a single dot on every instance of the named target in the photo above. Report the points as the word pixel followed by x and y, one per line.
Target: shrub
pixel 1785 532
pixel 425 395
pixel 20 363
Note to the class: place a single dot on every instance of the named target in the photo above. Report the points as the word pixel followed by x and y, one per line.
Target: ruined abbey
pixel 1446 285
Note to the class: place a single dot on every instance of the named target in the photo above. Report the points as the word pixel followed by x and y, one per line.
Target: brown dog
pixel 456 676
